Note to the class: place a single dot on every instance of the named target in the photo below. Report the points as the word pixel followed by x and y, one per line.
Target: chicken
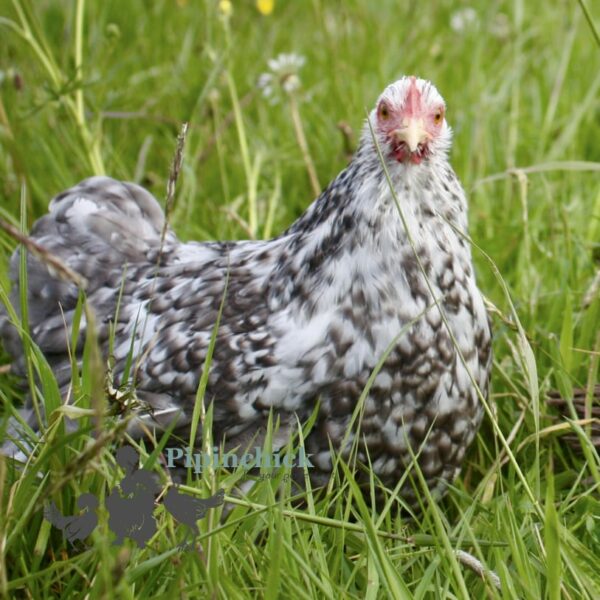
pixel 359 278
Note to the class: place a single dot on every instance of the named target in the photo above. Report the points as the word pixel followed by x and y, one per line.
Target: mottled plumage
pixel 307 315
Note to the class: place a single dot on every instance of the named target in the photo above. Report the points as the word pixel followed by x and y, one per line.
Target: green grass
pixel 523 91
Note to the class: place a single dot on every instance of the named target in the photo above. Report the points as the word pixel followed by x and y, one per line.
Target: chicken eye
pixel 384 112
pixel 438 117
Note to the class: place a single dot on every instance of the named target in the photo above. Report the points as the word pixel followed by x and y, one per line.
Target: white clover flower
pixel 464 19
pixel 282 75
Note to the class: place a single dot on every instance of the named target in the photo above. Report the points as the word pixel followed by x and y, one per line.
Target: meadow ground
pixel 104 87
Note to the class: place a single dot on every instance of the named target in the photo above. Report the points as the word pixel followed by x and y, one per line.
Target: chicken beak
pixel 412 133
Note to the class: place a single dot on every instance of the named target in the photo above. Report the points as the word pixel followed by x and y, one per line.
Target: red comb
pixel 413 98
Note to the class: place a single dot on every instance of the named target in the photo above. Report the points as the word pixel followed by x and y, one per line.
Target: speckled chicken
pixel 307 316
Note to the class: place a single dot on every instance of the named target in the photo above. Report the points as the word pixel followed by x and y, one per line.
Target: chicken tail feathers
pixel 94 228
pixel 99 229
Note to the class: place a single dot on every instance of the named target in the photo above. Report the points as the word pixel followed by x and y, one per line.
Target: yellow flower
pixel 265 7
pixel 225 8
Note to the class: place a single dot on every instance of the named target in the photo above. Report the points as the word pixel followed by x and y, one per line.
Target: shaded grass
pixel 522 88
